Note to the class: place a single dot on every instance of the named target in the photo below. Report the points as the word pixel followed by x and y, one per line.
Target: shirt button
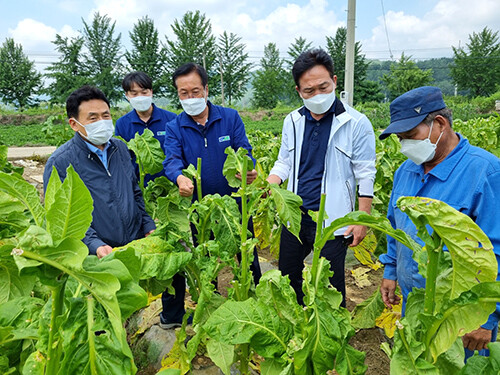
pixel 318 123
pixel 423 180
pixel 315 134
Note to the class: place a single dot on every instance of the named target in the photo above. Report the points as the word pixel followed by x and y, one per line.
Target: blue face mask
pixel 420 150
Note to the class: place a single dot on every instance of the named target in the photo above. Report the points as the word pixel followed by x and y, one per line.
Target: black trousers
pixel 173 305
pixel 293 253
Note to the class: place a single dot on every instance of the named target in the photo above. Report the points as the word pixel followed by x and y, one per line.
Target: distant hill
pixel 440 68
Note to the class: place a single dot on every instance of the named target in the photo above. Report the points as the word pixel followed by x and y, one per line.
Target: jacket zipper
pixel 350 195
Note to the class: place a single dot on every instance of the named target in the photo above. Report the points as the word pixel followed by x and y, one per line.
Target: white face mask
pixel 99 132
pixel 141 103
pixel 320 103
pixel 194 106
pixel 420 150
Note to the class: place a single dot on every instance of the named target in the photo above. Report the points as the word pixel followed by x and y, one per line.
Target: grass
pixel 23 135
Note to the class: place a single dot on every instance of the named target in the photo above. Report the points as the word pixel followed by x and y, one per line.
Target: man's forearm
pixel 365 204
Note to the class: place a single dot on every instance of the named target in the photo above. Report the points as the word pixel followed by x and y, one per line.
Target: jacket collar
pixel 82 144
pixel 137 120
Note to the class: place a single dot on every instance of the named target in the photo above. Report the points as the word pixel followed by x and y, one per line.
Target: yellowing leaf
pixel 387 320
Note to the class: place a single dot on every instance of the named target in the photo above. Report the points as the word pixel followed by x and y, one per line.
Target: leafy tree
pixel 478 70
pixel 336 48
pixel 233 62
pixel 147 55
pixel 19 80
pixel 102 64
pixel 405 75
pixel 195 43
pixel 68 73
pixel 364 90
pixel 269 80
pixel 296 48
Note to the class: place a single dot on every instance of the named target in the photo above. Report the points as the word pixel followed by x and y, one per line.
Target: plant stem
pixel 198 179
pixel 90 334
pixel 244 228
pixel 319 234
pixel 53 348
pixel 430 283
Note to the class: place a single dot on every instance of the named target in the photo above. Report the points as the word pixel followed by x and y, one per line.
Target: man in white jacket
pixel 327 147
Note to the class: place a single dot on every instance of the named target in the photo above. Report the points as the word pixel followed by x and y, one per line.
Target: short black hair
pixel 309 59
pixel 140 78
pixel 83 94
pixel 189 68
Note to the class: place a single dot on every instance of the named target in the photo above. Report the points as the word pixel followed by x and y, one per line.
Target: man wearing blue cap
pixel 441 165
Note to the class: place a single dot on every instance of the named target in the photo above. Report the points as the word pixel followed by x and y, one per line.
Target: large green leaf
pixel 378 223
pixel 225 222
pixel 274 290
pixel 350 361
pixel 234 164
pixel 288 208
pixel 471 251
pixel 365 313
pixel 12 285
pixel 148 152
pixel 52 187
pixel 15 186
pixel 221 354
pixel 250 322
pixel 157 258
pixel 484 365
pixel 462 315
pixel 90 344
pixel 70 212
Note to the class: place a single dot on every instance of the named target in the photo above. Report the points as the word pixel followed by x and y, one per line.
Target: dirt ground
pixel 367 341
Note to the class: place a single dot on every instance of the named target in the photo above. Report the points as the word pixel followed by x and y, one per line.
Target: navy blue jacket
pixel 130 124
pixel 119 215
pixel 185 142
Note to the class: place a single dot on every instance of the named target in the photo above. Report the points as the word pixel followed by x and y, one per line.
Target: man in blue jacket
pixel 203 130
pixel 138 88
pixel 441 165
pixel 103 163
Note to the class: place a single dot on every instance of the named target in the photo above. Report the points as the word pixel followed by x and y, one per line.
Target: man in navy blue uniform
pixel 203 130
pixel 138 88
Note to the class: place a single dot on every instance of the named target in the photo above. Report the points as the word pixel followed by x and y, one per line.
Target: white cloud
pixel 33 35
pixel 447 24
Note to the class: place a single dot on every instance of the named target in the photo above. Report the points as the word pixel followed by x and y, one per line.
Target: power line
pixel 385 27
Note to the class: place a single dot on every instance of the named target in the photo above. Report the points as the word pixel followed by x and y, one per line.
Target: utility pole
pixel 348 93
pixel 221 79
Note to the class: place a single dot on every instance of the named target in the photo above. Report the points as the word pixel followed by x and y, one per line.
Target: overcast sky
pixel 420 28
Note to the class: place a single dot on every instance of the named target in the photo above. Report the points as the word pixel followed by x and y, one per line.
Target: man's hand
pixel 477 340
pixel 251 176
pixel 103 250
pixel 387 289
pixel 147 234
pixel 273 179
pixel 358 232
pixel 186 186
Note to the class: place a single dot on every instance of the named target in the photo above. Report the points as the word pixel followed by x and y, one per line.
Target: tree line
pixel 95 57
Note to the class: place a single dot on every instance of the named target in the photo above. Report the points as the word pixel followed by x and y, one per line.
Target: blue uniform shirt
pixel 312 157
pixel 130 124
pixel 186 141
pixel 468 179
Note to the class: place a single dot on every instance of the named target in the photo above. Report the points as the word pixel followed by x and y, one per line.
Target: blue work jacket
pixel 130 124
pixel 468 179
pixel 119 215
pixel 186 141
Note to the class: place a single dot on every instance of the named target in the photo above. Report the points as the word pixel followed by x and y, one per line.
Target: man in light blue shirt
pixel 442 165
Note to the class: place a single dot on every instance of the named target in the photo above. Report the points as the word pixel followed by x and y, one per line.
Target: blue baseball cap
pixel 411 108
